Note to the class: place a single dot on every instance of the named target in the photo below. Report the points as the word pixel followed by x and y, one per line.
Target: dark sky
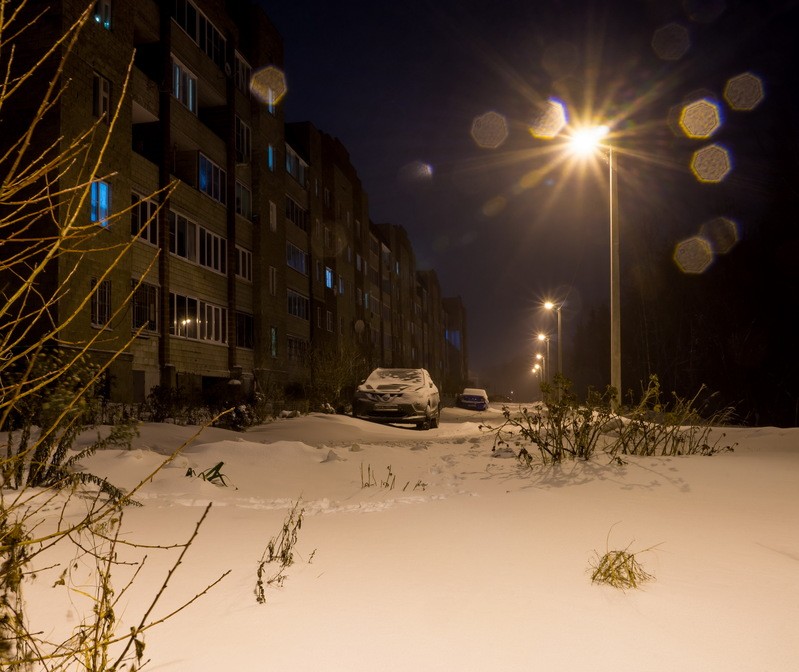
pixel 400 84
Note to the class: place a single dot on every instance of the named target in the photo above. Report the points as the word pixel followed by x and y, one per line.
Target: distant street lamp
pixel 556 307
pixel 588 141
pixel 543 362
pixel 544 337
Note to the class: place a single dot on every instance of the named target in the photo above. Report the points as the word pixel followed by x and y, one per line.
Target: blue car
pixel 473 398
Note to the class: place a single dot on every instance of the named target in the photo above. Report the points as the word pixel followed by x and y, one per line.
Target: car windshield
pixel 395 377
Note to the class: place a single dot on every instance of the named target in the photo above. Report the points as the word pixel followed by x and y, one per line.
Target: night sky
pixel 507 227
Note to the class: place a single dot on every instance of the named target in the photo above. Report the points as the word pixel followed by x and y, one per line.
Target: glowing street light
pixel 556 307
pixel 543 363
pixel 543 337
pixel 587 141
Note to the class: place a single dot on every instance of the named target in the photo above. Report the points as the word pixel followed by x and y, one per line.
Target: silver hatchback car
pixel 398 395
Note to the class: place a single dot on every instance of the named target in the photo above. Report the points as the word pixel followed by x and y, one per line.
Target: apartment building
pixel 234 247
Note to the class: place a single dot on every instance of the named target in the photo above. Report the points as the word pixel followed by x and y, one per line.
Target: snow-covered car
pixel 473 397
pixel 398 395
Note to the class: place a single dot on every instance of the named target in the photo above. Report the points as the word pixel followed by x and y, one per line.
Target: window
pixel 329 277
pixel 244 331
pixel 243 201
pixel 319 316
pixel 273 341
pixel 143 218
pixel 298 305
pixel 100 202
pixel 297 258
pixel 200 30
pixel 213 251
pixel 243 141
pixel 341 285
pixel 296 348
pixel 144 306
pixel 295 166
pixel 100 304
pixel 243 263
pixel 213 325
pixel 270 157
pixel 184 86
pixel 296 214
pixel 272 216
pixel 242 73
pixel 212 180
pixel 102 13
pixel 101 97
pixel 195 319
pixel 272 280
pixel 182 236
pixel 329 321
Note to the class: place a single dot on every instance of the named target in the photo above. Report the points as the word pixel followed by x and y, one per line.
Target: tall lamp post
pixel 585 142
pixel 544 337
pixel 543 362
pixel 556 307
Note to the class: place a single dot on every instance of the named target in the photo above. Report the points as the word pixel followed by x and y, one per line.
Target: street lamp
pixel 556 307
pixel 543 362
pixel 588 141
pixel 544 337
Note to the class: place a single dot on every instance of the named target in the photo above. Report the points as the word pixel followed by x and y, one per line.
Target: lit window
pixel 270 157
pixel 273 341
pixel 329 278
pixel 184 86
pixel 102 13
pixel 100 197
pixel 212 180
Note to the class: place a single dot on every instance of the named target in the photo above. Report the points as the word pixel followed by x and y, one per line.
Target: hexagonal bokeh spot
pixel 671 42
pixel 711 164
pixel 489 130
pixel 744 92
pixel 700 119
pixel 721 233
pixel 268 85
pixel 550 121
pixel 693 255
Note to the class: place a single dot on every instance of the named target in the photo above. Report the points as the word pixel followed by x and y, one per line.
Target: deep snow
pixel 468 563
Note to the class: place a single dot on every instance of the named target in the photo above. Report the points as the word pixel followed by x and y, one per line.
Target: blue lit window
pixel 102 13
pixel 329 282
pixel 270 157
pixel 100 197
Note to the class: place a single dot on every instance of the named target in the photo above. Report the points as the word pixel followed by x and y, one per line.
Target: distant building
pixel 255 243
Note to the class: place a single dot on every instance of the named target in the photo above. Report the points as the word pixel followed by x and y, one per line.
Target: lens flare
pixel 711 164
pixel 671 42
pixel 700 119
pixel 489 130
pixel 268 85
pixel 721 233
pixel 693 255
pixel 744 92
pixel 550 121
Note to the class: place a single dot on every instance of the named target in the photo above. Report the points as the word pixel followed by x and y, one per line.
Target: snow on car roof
pixel 395 375
pixel 475 391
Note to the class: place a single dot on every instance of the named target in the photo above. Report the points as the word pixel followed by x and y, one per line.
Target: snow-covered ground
pixel 467 564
